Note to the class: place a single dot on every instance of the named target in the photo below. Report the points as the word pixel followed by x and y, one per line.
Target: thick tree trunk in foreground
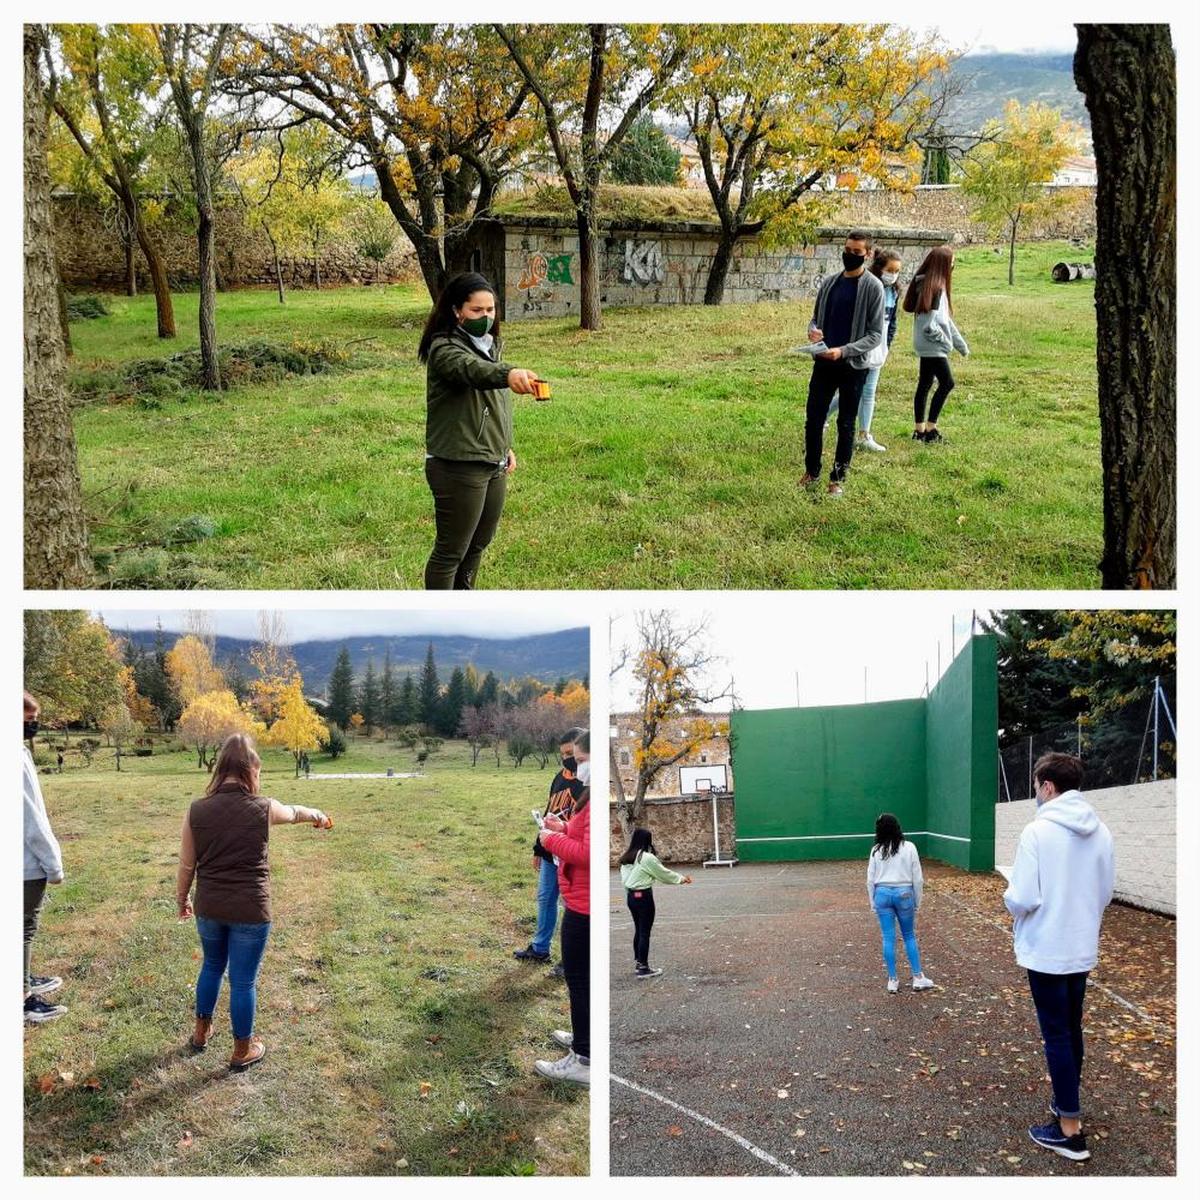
pixel 1127 76
pixel 56 550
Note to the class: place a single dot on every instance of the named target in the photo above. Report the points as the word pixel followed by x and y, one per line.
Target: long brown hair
pixel 932 277
pixel 455 294
pixel 236 763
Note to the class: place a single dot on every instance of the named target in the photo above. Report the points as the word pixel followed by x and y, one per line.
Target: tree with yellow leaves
pixel 191 670
pixel 209 718
pixel 671 666
pixel 275 667
pixel 777 109
pixel 1008 172
pixel 298 728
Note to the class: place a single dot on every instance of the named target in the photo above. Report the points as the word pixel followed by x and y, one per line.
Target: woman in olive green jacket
pixel 468 427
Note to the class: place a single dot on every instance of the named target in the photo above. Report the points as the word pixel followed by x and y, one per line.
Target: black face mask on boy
pixel 31 728
pixel 569 764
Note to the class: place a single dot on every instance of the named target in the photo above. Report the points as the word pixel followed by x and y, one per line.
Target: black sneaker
pixel 37 1011
pixel 529 954
pixel 43 985
pixel 648 972
pixel 557 972
pixel 918 435
pixel 1051 1137
pixel 932 435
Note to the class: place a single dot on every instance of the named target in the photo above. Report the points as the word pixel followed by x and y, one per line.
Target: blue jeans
pixel 894 904
pixel 547 907
pixel 1059 1003
pixel 866 405
pixel 240 947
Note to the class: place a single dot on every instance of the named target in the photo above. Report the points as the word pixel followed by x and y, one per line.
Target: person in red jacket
pixel 570 843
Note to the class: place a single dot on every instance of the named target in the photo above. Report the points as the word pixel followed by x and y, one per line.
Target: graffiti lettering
pixel 535 272
pixel 643 262
pixel 559 269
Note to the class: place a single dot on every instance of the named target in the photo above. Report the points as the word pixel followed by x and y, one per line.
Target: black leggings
pixel 468 498
pixel 641 906
pixel 576 961
pixel 931 369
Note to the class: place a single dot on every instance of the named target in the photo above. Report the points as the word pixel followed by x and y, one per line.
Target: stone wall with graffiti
pixel 667 265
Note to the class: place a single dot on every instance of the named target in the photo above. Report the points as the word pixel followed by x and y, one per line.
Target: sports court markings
pixel 748 1146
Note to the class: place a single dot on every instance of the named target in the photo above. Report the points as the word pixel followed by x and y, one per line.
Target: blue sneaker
pixel 1051 1137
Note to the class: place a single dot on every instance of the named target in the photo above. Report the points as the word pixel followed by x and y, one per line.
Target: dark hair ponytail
pixel 641 840
pixel 453 295
pixel 888 835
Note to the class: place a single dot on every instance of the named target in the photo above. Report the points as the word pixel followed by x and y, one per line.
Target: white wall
pixel 1142 820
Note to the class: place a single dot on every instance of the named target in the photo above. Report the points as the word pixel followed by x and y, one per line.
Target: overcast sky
pixel 318 625
pixel 1012 36
pixel 829 640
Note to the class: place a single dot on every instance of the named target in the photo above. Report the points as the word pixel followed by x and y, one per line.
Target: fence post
pixel 1154 774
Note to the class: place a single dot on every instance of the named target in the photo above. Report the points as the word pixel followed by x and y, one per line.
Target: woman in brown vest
pixel 224 847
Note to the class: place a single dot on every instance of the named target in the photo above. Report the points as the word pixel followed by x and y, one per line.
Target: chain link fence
pixel 1133 744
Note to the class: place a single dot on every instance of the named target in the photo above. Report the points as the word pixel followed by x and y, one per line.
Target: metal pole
pixel 797 689
pixel 927 677
pixel 716 831
pixel 1079 737
pixel 1154 775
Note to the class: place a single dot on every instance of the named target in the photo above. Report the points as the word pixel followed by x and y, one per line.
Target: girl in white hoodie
pixel 894 886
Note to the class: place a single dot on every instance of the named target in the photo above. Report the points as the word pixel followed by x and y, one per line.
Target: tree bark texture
pixel 56 544
pixel 1127 76
pixel 210 366
pixel 718 273
pixel 589 268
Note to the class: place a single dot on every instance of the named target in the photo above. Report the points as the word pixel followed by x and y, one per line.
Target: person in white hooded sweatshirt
pixel 1062 881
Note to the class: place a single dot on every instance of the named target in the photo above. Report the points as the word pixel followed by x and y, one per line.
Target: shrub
pixel 86 308
pixel 337 742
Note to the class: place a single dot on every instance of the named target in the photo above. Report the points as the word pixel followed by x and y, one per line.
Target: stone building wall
pixel 1141 818
pixel 682 827
pixel 624 735
pixel 91 257
pixel 944 206
pixel 667 264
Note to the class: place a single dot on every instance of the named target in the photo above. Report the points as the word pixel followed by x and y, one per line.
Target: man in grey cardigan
pixel 849 318
pixel 43 865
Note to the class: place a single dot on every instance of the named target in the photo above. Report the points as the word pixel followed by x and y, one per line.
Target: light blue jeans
pixel 239 948
pixel 892 905
pixel 866 406
pixel 547 907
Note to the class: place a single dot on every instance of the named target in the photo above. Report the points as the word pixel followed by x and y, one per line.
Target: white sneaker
pixel 571 1069
pixel 893 986
pixel 921 983
pixel 563 1037
pixel 867 442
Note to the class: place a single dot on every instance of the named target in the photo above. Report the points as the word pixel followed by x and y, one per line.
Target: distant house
pixel 1077 171
pixel 691 169
pixel 708 770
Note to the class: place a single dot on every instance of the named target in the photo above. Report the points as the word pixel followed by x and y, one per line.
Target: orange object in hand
pixel 326 824
pixel 541 389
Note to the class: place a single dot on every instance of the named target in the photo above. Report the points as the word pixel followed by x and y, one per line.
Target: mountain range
pixel 545 656
pixel 989 81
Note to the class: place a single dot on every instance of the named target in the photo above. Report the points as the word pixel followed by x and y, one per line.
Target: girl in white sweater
pixel 894 886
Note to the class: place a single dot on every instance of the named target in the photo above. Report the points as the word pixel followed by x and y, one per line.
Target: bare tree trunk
pixel 275 259
pixel 589 267
pixel 129 247
pixel 1012 252
pixel 210 366
pixel 1127 76
pixel 56 545
pixel 714 289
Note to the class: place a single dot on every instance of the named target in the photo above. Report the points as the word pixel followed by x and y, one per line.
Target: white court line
pixel 758 1153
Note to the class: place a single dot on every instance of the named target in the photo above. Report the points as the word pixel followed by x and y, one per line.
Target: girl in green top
pixel 640 869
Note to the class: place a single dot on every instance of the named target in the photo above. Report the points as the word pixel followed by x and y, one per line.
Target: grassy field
pixel 401 1034
pixel 669 456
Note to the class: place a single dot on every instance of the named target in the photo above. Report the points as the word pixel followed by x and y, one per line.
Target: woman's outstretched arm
pixel 295 814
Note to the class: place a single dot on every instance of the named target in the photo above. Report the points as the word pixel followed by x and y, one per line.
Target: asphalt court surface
pixel 770 1046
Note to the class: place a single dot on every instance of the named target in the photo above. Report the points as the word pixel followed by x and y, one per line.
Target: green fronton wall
pixel 811 781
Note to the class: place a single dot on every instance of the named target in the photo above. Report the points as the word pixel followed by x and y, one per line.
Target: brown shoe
pixel 246 1052
pixel 807 480
pixel 199 1039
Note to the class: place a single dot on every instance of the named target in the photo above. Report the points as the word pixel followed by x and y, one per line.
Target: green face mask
pixel 478 326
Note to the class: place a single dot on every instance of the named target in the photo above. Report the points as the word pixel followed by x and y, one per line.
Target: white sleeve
pixel 872 866
pixel 917 876
pixel 1024 893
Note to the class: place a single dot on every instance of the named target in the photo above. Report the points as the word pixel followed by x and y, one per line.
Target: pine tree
pixel 341 690
pixel 368 698
pixel 406 706
pixel 453 703
pixel 430 692
pixel 489 690
pixel 387 692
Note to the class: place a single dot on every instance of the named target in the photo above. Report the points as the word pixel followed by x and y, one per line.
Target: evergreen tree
pixel 430 692
pixel 150 675
pixel 388 697
pixel 489 691
pixel 1035 690
pixel 368 698
pixel 341 690
pixel 645 156
pixel 453 703
pixel 560 686
pixel 406 703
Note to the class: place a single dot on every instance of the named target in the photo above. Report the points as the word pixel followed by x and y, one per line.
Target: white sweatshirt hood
pixel 1062 881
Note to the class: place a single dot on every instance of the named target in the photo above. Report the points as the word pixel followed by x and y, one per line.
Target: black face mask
pixel 31 728
pixel 852 261
pixel 569 764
